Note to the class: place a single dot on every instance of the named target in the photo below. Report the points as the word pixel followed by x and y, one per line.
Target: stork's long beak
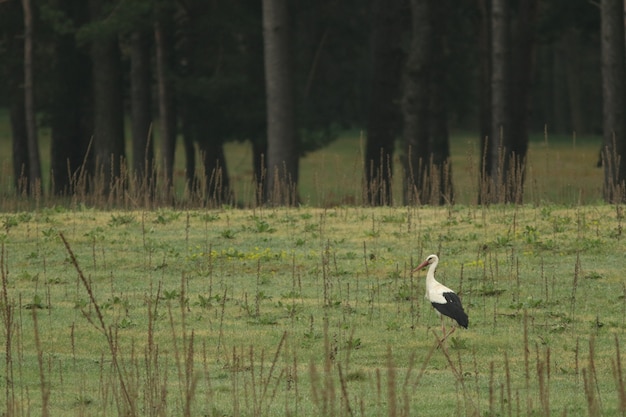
pixel 420 266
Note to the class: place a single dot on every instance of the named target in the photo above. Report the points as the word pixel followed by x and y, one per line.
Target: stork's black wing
pixel 453 308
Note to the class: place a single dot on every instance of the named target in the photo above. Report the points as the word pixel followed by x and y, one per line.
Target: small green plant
pixel 24 217
pixel 9 221
pixel 82 401
pixel 398 219
pixel 96 234
pixel 531 235
pixel 593 275
pixel 458 343
pixel 263 227
pixel 165 217
pixel 36 303
pixel 125 323
pixel 404 293
pixel 171 294
pixel 209 217
pixel 204 302
pixel 265 320
pixel 503 241
pixel 50 233
pixel 393 326
pixel 291 294
pixel 121 220
pixel 560 223
pixel 354 344
pixel 490 290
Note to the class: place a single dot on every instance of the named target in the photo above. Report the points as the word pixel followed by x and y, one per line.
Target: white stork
pixel 443 299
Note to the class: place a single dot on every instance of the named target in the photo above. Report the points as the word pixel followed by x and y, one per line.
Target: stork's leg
pixel 443 328
pixel 445 335
pixel 451 331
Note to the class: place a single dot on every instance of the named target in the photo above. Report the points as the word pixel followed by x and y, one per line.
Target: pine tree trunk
pixel 34 164
pixel 70 107
pixel 614 99
pixel 440 169
pixel 484 111
pixel 427 150
pixel 14 81
pixel 415 104
pixel 384 117
pixel 522 68
pixel 166 103
pixel 20 146
pixel 141 109
pixel 573 71
pixel 108 137
pixel 282 157
pixel 496 151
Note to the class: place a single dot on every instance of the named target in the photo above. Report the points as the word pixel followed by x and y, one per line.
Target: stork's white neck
pixel 430 275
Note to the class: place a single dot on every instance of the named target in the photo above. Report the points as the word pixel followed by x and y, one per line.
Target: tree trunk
pixel 108 137
pixel 71 107
pixel 614 100
pixel 523 59
pixel 440 169
pixel 496 150
pixel 511 67
pixel 383 124
pixel 282 157
pixel 426 164
pixel 415 103
pixel 167 114
pixel 574 75
pixel 141 110
pixel 20 146
pixel 13 78
pixel 559 90
pixel 484 47
pixel 34 164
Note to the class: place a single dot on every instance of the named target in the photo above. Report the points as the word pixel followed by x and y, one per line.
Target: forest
pixel 119 82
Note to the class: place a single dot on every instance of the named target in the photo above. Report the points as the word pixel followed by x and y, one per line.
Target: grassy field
pixel 312 311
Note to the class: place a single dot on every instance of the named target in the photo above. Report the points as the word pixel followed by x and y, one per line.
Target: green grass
pixel 311 311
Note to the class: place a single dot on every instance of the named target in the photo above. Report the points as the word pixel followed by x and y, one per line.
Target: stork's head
pixel 432 259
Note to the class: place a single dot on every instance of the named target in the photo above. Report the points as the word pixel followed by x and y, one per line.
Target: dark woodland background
pixel 289 75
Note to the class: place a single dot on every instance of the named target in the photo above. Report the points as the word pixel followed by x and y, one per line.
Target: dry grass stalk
pixel 129 403
pixel 618 374
pixel 7 311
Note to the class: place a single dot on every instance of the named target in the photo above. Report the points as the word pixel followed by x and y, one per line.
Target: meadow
pixel 245 310
pixel 312 311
